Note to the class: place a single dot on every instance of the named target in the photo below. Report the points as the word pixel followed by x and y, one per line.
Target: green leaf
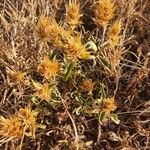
pixel 85 55
pixel 105 63
pixel 35 100
pixel 88 143
pixel 36 84
pixel 78 110
pixel 68 71
pixel 41 126
pixel 114 118
pixel 51 85
pixel 102 117
pixel 91 45
pixel 103 93
pixel 53 55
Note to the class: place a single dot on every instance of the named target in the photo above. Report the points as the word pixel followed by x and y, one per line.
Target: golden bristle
pixel 43 91
pixel 104 12
pixel 17 76
pixel 48 29
pixel 88 86
pixel 42 27
pixel 29 118
pixel 73 13
pixel 75 49
pixel 48 68
pixel 63 39
pixel 114 31
pixel 11 127
pixel 17 125
pixel 116 28
pixel 115 58
pixel 109 105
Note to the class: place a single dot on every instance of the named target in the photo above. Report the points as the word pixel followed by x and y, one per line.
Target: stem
pixel 104 31
pixel 99 133
pixel 69 70
pixel 73 123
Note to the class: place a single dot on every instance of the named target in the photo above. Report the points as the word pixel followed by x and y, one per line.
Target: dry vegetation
pixel 75 74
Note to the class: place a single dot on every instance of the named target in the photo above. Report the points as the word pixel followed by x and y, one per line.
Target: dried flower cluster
pixel 75 49
pixel 115 57
pixel 109 105
pixel 18 125
pixel 48 68
pixel 11 127
pixel 17 76
pixel 104 12
pixel 42 91
pixel 72 45
pixel 73 14
pixel 88 86
pixel 114 31
pixel 29 118
pixel 49 30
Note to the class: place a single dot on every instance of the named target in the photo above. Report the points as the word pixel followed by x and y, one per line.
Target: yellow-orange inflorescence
pixel 43 91
pixel 75 49
pixel 29 118
pixel 48 68
pixel 114 31
pixel 20 124
pixel 72 13
pixel 11 127
pixel 88 85
pixel 49 30
pixel 17 76
pixel 115 57
pixel 104 12
pixel 109 105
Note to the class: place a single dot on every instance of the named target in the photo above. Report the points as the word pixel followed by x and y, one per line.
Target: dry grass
pixel 74 74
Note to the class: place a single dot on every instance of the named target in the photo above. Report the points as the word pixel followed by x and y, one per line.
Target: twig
pixel 99 133
pixel 104 31
pixel 73 123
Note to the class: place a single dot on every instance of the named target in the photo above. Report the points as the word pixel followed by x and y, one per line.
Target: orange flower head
pixel 75 49
pixel 104 12
pixel 29 118
pixel 43 91
pixel 88 85
pixel 11 127
pixel 48 68
pixel 17 76
pixel 114 31
pixel 73 13
pixel 109 105
pixel 48 29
